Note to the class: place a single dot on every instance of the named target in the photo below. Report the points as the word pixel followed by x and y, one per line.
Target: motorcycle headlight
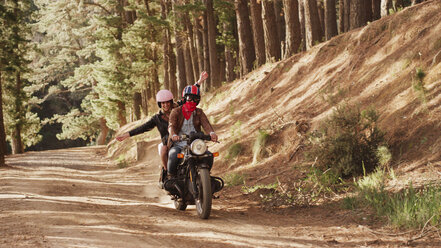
pixel 198 147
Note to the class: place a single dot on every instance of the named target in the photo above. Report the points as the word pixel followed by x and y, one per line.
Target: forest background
pixel 73 72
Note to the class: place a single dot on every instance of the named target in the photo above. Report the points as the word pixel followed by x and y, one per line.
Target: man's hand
pixel 122 136
pixel 213 137
pixel 175 138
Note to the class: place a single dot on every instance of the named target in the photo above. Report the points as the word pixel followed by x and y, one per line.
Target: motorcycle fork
pixel 193 175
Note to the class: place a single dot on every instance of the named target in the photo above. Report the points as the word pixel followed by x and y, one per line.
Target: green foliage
pixel 384 156
pixel 409 208
pixel 252 189
pixel 224 10
pixel 332 98
pixel 346 142
pixel 418 86
pixel 21 123
pixel 233 151
pixel 234 179
pixel 259 150
pixel 122 162
pixel 235 131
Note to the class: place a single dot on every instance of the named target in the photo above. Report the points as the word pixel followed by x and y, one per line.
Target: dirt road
pixel 75 198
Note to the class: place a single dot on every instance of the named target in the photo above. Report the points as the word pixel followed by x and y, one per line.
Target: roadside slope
pixel 374 66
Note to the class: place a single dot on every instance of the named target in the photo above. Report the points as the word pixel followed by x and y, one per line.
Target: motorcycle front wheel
pixel 203 203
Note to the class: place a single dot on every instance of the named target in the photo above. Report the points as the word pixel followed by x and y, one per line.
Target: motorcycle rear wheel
pixel 203 203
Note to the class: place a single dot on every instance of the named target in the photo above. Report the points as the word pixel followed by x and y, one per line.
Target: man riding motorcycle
pixel 186 119
pixel 164 99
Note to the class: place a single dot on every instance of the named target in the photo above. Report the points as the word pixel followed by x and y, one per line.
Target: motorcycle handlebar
pixel 194 136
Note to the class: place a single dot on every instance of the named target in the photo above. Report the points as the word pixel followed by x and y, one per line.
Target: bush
pixel 259 145
pixel 234 179
pixel 346 142
pixel 234 151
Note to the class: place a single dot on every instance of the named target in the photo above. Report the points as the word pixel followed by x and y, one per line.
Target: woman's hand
pixel 122 136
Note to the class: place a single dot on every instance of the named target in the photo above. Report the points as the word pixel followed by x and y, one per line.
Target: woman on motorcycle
pixel 164 98
pixel 184 120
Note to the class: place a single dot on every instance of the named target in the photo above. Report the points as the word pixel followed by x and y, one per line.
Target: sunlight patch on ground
pixel 382 82
pixel 79 181
pixel 78 199
pixel 383 52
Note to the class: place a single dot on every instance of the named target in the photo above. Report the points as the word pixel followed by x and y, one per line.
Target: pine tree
pixel 22 126
pixel 313 29
pixel 226 27
pixel 293 33
pixel 272 45
pixel 246 46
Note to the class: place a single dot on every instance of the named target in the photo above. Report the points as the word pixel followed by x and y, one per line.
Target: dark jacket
pixel 199 120
pixel 156 121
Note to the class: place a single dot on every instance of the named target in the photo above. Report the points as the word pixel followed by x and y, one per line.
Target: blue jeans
pixel 173 160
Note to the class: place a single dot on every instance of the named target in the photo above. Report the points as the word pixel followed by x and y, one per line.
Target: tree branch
pixel 98 5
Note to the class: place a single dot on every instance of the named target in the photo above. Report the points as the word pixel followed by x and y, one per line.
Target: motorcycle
pixel 194 185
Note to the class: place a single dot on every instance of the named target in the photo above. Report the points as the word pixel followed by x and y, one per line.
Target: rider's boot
pixel 162 177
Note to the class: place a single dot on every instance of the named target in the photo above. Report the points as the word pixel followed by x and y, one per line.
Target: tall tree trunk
pixel 312 24
pixel 321 14
pixel 293 33
pixel 188 62
pixel 155 70
pixel 180 63
pixel 214 62
pixel 121 113
pixel 17 144
pixel 172 70
pixel 206 50
pixel 367 11
pixel 192 49
pixel 347 14
pixel 145 101
pixel 104 130
pixel 246 46
pixel 341 16
pixel 165 45
pixel 302 23
pixel 229 65
pixel 376 9
pixel 330 19
pixel 137 105
pixel 258 37
pixel 280 21
pixel 385 6
pixel 357 16
pixel 2 128
pixel 199 43
pixel 272 45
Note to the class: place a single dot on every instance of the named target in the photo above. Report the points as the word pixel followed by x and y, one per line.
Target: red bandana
pixel 187 109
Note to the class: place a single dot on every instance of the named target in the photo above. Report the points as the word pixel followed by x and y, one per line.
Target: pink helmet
pixel 163 96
